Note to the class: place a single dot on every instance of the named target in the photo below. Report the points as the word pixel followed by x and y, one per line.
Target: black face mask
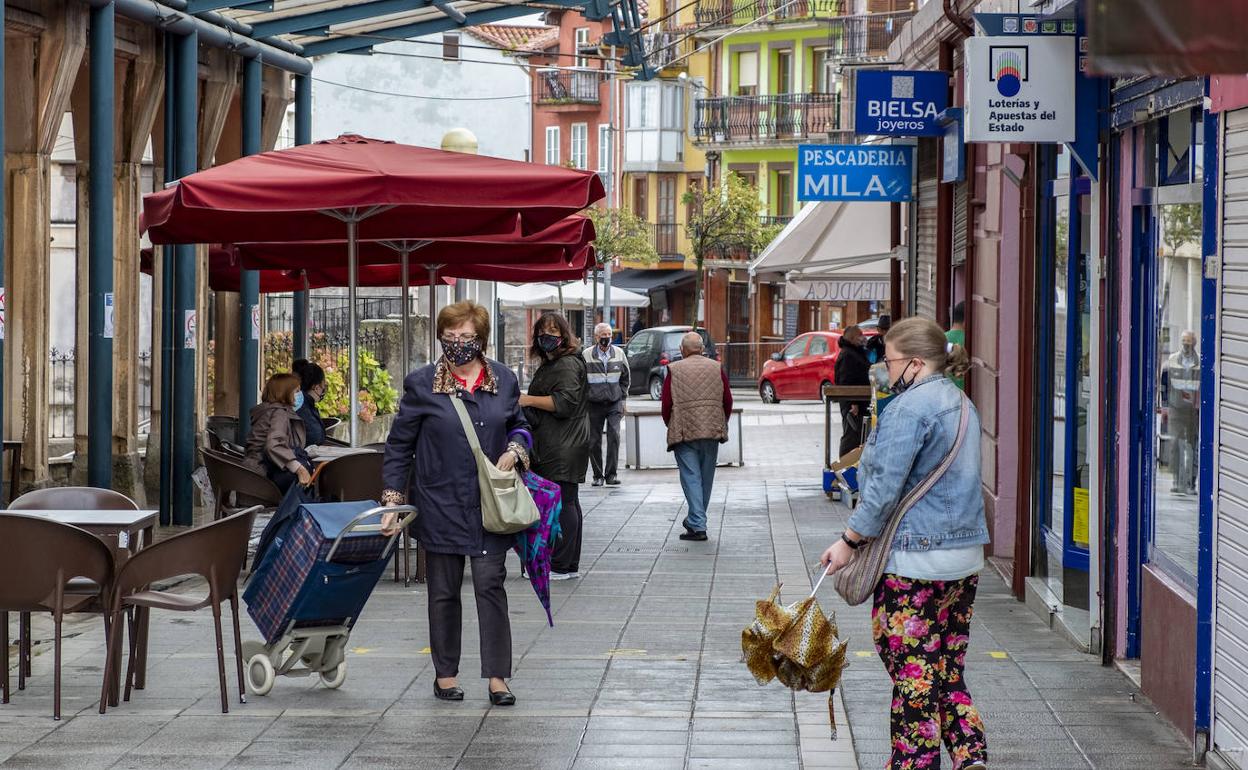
pixel 604 342
pixel 549 342
pixel 902 384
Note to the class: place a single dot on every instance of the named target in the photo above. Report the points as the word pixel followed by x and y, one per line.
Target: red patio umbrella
pixel 392 275
pixel 389 190
pixel 224 273
pixel 364 189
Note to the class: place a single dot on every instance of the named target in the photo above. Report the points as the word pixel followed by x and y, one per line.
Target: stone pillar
pixel 41 67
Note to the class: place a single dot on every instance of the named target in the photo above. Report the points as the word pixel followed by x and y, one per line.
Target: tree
pixel 619 234
pixel 723 219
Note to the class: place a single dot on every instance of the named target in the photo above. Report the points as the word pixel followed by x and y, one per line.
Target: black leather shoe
pixel 504 698
pixel 613 482
pixel 597 482
pixel 692 535
pixel 449 693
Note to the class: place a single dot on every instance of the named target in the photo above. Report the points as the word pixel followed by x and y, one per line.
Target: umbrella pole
pixel 353 347
pixel 407 343
pixel 433 312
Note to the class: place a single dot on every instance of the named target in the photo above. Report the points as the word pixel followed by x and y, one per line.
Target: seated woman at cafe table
pixel 276 444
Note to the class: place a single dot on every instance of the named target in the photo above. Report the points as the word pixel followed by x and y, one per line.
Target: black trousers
pixel 851 427
pixel 604 415
pixel 444 577
pixel 567 555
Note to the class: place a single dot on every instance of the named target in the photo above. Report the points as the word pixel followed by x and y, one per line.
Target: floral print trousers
pixel 921 630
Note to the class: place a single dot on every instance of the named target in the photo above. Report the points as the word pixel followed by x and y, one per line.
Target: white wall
pixel 380 98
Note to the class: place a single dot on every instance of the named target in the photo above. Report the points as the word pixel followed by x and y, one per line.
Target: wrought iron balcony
pixel 716 13
pixel 775 221
pixel 668 48
pixel 564 87
pixel 774 119
pixel 866 36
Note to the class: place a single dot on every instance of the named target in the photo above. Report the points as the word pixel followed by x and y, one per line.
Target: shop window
pixel 1176 398
pixel 777 313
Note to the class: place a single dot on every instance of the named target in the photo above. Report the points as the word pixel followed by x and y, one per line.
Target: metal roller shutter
pixel 929 182
pixel 1230 657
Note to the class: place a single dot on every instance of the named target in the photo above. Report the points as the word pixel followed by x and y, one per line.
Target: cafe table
pixel 125 533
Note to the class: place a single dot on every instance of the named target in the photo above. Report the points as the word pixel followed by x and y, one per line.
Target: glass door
pixel 1063 525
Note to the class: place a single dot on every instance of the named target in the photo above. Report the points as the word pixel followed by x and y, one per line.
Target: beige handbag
pixel 507 507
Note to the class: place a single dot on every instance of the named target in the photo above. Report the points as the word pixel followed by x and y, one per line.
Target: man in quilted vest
pixel 696 404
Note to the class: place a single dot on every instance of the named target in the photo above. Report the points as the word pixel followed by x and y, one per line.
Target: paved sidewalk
pixel 642 669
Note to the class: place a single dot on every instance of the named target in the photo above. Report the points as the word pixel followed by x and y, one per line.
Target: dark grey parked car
pixel 651 350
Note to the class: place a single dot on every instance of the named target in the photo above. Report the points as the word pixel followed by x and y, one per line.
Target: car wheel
pixel 767 392
pixel 656 389
pixel 823 385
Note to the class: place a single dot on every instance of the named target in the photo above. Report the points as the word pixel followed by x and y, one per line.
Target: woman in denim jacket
pixel 922 611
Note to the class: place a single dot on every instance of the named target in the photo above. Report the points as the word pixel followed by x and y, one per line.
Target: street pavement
pixel 641 669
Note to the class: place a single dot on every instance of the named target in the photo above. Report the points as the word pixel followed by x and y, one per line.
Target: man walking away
pixel 852 368
pixel 608 389
pixel 957 335
pixel 696 404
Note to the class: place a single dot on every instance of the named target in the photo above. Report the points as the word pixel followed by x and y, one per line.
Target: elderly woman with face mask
pixel 430 463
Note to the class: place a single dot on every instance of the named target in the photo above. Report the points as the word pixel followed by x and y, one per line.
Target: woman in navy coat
pixel 430 464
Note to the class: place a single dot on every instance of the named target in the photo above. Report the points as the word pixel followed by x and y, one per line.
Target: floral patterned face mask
pixel 460 352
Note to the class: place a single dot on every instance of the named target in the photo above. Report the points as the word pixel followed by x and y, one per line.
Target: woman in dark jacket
pixel 275 446
pixel 430 463
pixel 557 406
pixel 312 384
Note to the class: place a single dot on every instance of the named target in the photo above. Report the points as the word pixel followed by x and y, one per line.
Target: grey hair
pixel 599 327
pixel 692 342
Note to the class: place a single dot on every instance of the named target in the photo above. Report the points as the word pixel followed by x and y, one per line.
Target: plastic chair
pixel 73 499
pixel 62 499
pixel 216 443
pixel 41 558
pixel 214 552
pixel 358 477
pixel 225 426
pixel 229 475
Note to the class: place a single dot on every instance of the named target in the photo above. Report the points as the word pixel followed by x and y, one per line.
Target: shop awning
pixel 646 281
pixel 830 236
pixel 575 294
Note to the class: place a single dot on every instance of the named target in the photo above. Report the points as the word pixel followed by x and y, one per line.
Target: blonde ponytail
pixel 923 338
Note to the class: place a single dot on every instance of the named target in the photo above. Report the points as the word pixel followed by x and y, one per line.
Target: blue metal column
pixel 100 260
pixel 249 282
pixel 1209 354
pixel 186 97
pixel 168 329
pixel 303 135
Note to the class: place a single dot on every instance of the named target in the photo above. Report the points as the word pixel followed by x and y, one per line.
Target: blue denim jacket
pixel 912 437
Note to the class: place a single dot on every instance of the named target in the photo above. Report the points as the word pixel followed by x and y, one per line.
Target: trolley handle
pixel 378 512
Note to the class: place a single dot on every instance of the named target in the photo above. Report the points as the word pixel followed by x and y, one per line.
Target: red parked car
pixel 801 369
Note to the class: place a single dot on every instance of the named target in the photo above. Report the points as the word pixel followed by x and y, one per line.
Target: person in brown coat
pixel 276 444
pixel 696 404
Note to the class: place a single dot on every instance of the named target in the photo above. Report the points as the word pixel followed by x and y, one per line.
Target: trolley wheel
pixel 334 679
pixel 260 674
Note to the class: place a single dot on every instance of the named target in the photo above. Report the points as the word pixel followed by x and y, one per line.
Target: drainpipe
pixel 955 18
pixel 213 30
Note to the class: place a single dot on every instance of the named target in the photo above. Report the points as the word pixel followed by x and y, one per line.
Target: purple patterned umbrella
pixel 536 544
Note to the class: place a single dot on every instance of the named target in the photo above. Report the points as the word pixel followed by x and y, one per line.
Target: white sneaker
pixel 564 575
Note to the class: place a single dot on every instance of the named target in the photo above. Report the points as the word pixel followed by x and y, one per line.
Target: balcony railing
pixel 666 48
pixel 866 36
pixel 778 118
pixel 775 221
pixel 666 237
pixel 563 87
pixel 713 13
